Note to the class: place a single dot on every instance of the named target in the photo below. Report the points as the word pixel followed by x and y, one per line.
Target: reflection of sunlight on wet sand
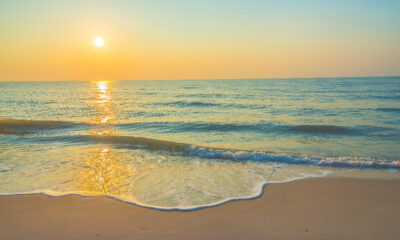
pixel 105 173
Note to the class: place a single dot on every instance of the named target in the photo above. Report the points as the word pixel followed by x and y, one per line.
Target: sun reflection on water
pixel 104 106
pixel 105 172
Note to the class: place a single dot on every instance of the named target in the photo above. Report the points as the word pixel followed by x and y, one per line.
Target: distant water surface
pixel 187 144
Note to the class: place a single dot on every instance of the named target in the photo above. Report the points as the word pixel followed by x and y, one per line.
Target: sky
pixel 183 39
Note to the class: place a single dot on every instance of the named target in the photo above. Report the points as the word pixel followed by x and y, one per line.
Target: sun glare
pixel 98 41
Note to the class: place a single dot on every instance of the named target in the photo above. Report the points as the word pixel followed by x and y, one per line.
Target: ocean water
pixel 190 144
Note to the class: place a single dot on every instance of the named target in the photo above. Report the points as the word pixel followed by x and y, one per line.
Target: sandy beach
pixel 320 208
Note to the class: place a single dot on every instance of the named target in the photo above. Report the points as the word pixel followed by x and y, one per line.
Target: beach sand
pixel 319 208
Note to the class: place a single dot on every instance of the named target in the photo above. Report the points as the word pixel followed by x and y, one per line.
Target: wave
pixel 397 110
pixel 250 127
pixel 201 95
pixel 22 127
pixel 141 142
pixel 346 162
pixel 131 142
pixel 194 126
pixel 190 104
pixel 229 154
pixel 203 104
pixel 322 129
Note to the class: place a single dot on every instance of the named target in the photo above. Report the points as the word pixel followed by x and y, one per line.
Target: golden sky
pixel 53 40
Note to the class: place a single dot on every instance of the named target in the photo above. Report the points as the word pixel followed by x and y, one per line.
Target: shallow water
pixel 186 144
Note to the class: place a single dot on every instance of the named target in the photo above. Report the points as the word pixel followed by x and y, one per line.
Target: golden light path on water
pixel 103 103
pixel 105 172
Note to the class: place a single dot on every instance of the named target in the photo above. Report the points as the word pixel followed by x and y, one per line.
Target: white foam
pixel 351 162
pixel 256 192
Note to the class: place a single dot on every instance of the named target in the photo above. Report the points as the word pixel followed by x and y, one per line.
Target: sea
pixel 189 144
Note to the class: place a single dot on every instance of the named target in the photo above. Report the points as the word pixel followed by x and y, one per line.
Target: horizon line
pixel 205 79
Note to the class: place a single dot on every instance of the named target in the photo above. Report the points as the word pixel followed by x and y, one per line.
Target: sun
pixel 98 41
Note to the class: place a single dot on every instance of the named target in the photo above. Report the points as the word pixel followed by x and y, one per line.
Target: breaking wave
pixel 21 127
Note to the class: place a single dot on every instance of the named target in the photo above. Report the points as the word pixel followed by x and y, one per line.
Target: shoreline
pixel 316 208
pixel 259 194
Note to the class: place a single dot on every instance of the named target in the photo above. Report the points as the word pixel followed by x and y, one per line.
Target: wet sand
pixel 320 208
